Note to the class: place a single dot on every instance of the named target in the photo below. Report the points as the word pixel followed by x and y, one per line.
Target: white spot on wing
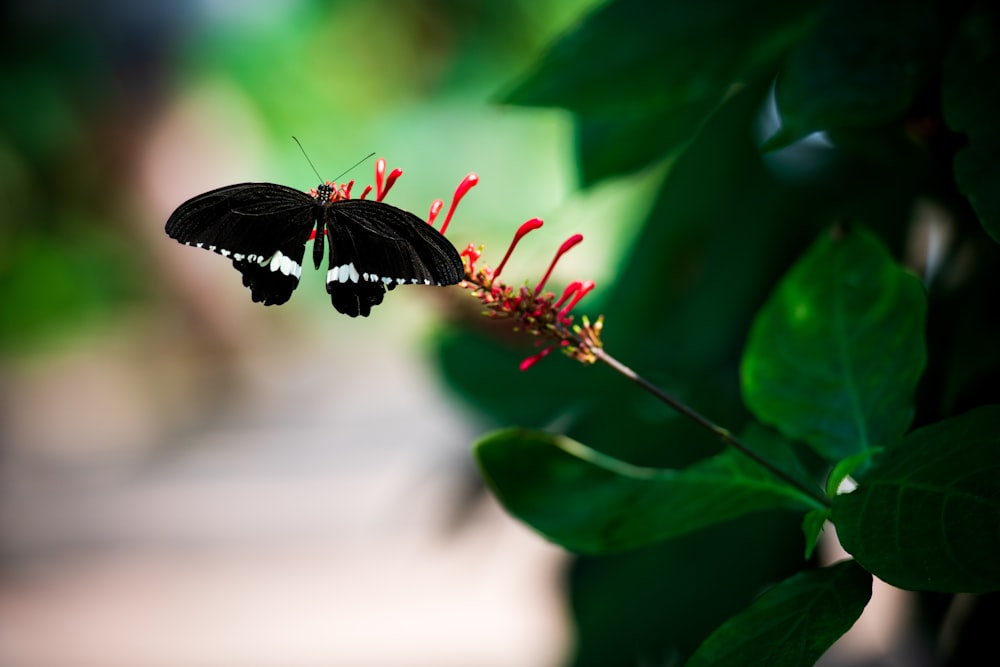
pixel 278 262
pixel 343 273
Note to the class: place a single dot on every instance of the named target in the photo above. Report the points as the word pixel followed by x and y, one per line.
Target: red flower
pixel 533 311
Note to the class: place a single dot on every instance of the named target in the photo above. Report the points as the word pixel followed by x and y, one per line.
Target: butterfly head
pixel 324 192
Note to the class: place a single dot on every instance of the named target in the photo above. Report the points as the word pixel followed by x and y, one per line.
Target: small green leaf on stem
pixel 846 468
pixel 812 528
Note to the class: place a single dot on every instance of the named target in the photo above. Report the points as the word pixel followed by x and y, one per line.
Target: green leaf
pixel 645 75
pixel 834 356
pixel 467 358
pixel 927 515
pixel 812 528
pixel 785 455
pixel 847 467
pixel 630 54
pixel 793 623
pixel 859 67
pixel 592 503
pixel 675 304
pixel 970 97
pixel 678 592
pixel 610 145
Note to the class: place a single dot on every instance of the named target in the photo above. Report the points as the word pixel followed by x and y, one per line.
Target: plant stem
pixel 704 422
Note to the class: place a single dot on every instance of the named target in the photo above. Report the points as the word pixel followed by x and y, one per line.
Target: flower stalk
pixel 723 434
pixel 550 319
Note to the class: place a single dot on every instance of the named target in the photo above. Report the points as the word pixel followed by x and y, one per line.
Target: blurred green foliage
pixel 83 86
pixel 785 126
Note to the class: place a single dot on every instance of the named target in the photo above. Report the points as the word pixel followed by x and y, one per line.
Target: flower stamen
pixel 436 207
pixel 528 226
pixel 581 291
pixel 563 249
pixel 463 188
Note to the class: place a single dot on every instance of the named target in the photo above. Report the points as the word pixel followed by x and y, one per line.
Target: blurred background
pixel 189 478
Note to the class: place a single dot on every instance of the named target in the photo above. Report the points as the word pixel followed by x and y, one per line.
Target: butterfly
pixel 264 229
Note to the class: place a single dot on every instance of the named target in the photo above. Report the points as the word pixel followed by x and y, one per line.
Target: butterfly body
pixel 264 229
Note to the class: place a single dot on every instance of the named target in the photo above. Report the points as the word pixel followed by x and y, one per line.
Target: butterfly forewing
pixel 245 219
pixel 261 227
pixel 375 246
pixel 264 228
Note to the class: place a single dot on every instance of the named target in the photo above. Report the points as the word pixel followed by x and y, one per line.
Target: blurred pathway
pixel 311 521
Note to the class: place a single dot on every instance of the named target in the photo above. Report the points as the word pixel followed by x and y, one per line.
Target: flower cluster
pixel 533 310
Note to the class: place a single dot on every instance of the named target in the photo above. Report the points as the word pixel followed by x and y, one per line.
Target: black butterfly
pixel 264 229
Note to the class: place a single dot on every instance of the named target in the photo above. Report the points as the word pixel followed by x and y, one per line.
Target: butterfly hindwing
pixel 273 279
pixel 261 227
pixel 375 247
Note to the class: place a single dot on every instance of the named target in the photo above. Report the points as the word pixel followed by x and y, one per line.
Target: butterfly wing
pixel 262 227
pixel 375 246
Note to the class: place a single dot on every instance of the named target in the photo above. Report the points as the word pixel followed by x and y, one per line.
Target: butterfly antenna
pixel 306 156
pixel 314 167
pixel 356 164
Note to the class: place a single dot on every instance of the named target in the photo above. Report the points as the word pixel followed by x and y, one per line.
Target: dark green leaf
pixel 785 455
pixel 971 102
pixel 610 145
pixel 688 288
pixel 485 372
pixel 592 503
pixel 678 592
pixel 630 54
pixel 793 623
pixel 643 76
pixel 859 67
pixel 927 515
pixel 833 358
